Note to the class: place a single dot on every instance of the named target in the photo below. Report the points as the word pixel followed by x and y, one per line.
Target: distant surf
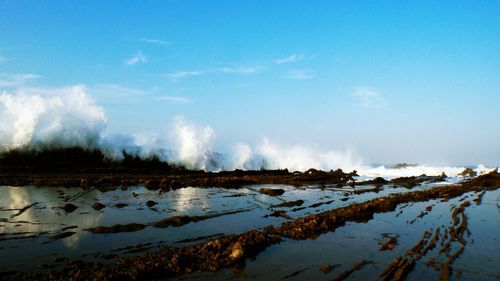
pixel 390 172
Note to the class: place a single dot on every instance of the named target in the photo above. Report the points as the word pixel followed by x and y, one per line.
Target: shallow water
pixel 302 260
pixel 27 239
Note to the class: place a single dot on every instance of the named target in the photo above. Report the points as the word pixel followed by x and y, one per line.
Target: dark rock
pixel 131 227
pixel 289 204
pixel 316 205
pixel 120 205
pixel 68 208
pixel 326 268
pixel 317 176
pixel 173 221
pixel 271 191
pixel 468 172
pixel 344 275
pixel 389 245
pixel 403 165
pixel 151 203
pixel 490 180
pixel 234 195
pixel 410 182
pixel 152 184
pixel 378 181
pixel 98 206
pixel 164 184
pixel 279 213
pixel 176 221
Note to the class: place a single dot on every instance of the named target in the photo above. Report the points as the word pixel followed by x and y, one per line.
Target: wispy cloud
pixel 236 70
pixel 290 59
pixel 173 99
pixel 300 74
pixel 182 74
pixel 369 98
pixel 4 59
pixel 117 90
pixel 155 41
pixel 139 57
pixel 16 80
pixel 240 69
pixel 50 91
pixel 118 94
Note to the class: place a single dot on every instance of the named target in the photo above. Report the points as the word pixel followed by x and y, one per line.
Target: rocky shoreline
pixel 169 180
pixel 232 250
pixel 76 167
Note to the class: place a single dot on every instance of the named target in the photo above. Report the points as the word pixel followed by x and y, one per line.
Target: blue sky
pixel 414 81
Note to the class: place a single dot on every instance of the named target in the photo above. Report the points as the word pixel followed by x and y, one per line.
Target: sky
pixel 393 81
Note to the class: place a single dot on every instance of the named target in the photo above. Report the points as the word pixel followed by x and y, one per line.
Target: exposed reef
pixel 231 250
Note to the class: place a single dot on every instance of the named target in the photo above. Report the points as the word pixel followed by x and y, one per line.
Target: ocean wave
pixel 54 119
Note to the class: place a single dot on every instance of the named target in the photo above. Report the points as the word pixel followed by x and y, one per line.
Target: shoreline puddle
pixel 434 236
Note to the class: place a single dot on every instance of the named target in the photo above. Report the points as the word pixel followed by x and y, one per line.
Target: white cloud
pixel 369 98
pixel 155 41
pixel 290 59
pixel 182 74
pixel 139 57
pixel 237 70
pixel 240 69
pixel 16 80
pixel 300 74
pixel 173 99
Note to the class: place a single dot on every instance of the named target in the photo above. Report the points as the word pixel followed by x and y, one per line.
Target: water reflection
pixel 37 211
pixel 353 242
pixel 30 233
pixel 189 199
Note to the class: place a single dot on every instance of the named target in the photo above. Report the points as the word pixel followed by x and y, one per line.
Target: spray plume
pixel 49 119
